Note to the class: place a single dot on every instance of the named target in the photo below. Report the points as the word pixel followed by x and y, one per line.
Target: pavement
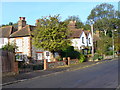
pixel 43 73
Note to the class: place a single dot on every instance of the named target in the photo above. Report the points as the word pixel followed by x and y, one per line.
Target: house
pixel 80 38
pixel 5 32
pixel 23 39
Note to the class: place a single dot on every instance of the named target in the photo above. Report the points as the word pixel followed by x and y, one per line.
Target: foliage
pixel 81 58
pixel 51 34
pixel 70 52
pixel 96 56
pixel 104 44
pixel 105 18
pixel 103 10
pixel 78 23
pixel 58 58
pixel 9 47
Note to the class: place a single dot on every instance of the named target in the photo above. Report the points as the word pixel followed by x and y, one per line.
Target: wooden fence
pixel 8 62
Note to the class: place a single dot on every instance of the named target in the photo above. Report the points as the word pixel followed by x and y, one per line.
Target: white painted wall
pixel 89 42
pixel 77 42
pixel 3 41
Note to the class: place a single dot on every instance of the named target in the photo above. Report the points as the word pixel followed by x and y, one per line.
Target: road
pixel 103 75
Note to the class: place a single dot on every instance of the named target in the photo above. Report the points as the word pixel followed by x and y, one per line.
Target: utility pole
pixel 113 42
pixel 92 38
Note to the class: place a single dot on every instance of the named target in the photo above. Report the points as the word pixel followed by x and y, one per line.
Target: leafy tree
pixel 103 10
pixel 51 34
pixel 104 45
pixel 104 17
pixel 78 24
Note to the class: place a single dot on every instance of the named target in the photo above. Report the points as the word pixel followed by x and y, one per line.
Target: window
pixel 89 41
pixel 83 40
pixel 39 56
pixel 47 53
pixel 19 57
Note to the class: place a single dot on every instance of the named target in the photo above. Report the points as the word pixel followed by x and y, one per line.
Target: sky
pixel 11 11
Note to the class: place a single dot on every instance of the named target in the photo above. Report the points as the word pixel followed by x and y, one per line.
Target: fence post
pixel 68 61
pixel 15 67
pixel 45 64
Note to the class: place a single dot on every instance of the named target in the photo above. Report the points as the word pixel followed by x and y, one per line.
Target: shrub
pixel 70 52
pixel 100 57
pixel 9 47
pixel 58 58
pixel 96 56
pixel 81 58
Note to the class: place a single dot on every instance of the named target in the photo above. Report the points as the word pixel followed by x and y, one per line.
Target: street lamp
pixel 92 22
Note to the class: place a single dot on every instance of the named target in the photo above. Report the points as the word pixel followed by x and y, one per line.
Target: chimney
pixel 71 24
pixel 37 21
pixel 21 23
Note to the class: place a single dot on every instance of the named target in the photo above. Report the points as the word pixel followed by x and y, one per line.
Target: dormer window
pixel 83 40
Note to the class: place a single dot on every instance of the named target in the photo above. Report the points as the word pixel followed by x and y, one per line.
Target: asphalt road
pixel 103 75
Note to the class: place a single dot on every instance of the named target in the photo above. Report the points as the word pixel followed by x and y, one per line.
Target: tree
pixel 78 24
pixel 104 45
pixel 104 17
pixel 51 34
pixel 103 10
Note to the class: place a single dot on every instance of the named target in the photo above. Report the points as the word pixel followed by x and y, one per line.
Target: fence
pixel 48 65
pixel 9 66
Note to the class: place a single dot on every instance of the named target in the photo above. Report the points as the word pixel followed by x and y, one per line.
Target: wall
pixel 77 42
pixel 89 36
pixel 55 64
pixel 23 44
pixel 8 62
pixel 3 41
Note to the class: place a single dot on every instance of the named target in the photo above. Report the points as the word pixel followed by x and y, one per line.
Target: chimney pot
pixel 37 21
pixel 22 18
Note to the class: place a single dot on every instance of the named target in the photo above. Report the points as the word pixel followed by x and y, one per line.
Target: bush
pixel 70 52
pixel 109 52
pixel 96 56
pixel 100 57
pixel 81 58
pixel 9 47
pixel 58 58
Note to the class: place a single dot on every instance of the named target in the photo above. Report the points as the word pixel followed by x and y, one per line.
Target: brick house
pixel 23 39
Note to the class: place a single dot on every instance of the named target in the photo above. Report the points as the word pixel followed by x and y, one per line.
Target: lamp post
pixel 92 37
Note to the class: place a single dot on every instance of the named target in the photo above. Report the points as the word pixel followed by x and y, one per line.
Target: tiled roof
pixel 76 33
pixel 6 31
pixel 25 31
